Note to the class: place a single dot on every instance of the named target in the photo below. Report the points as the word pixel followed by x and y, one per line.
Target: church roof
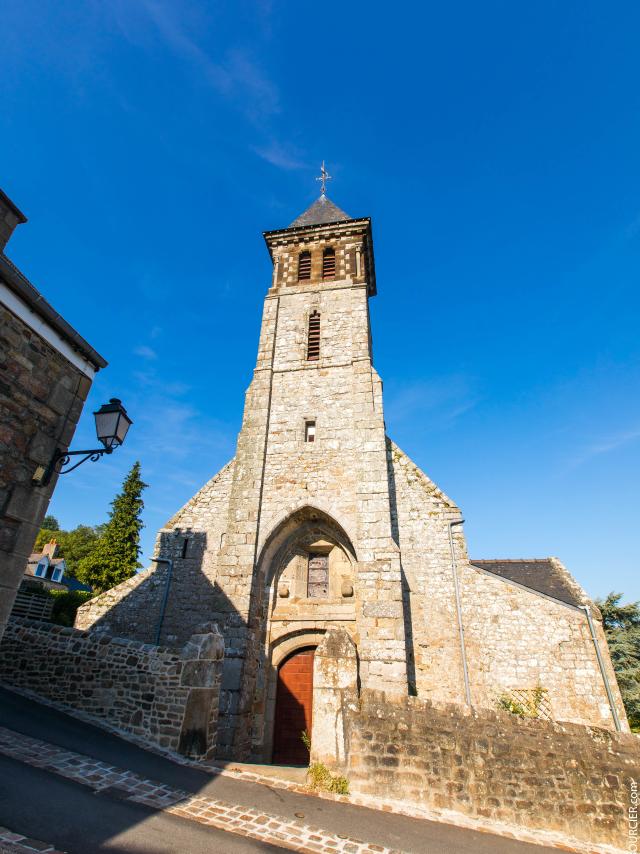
pixel 545 575
pixel 322 211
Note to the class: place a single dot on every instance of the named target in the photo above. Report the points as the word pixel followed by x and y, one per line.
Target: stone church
pixel 321 522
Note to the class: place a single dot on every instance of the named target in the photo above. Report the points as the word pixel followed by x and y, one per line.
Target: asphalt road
pixel 415 836
pixel 70 816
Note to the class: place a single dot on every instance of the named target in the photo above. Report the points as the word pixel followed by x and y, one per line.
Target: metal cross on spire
pixel 324 177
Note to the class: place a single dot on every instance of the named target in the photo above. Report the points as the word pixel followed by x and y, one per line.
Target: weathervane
pixel 324 177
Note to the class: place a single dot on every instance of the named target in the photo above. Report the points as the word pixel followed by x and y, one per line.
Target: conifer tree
pixel 114 557
pixel 621 624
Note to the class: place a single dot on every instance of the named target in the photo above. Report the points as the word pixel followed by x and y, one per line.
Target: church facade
pixel 321 522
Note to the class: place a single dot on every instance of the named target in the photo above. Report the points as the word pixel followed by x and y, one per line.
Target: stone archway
pixel 297 607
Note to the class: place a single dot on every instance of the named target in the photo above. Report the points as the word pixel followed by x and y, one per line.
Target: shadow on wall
pixel 165 604
pixel 406 590
pixel 162 604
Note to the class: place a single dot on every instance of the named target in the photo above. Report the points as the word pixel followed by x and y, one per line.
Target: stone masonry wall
pixel 568 778
pixel 516 639
pixel 191 539
pixel 420 516
pixel 343 474
pixel 164 696
pixel 41 398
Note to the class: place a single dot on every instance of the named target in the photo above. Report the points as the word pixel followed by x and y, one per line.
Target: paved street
pixel 43 805
pixel 47 807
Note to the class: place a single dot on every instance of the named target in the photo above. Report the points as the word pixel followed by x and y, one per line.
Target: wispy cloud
pixel 234 74
pixel 442 400
pixel 280 156
pixel 145 352
pixel 606 445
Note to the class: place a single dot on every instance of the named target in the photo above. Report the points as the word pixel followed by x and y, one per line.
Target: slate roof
pixel 322 211
pixel 73 584
pixel 546 575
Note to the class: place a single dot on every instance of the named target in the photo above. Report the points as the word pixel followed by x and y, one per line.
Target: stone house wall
pixel 567 778
pixel 46 370
pixel 41 398
pixel 164 696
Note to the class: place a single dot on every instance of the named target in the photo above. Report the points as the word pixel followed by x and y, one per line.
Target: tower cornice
pixel 299 236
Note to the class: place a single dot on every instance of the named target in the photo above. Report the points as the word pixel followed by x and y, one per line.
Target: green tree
pixel 114 557
pixel 621 624
pixel 50 523
pixel 73 545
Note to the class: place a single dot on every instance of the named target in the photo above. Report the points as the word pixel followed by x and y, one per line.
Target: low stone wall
pixel 568 778
pixel 166 697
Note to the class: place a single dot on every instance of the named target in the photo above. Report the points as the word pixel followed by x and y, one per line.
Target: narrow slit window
pixel 318 576
pixel 309 431
pixel 304 266
pixel 328 264
pixel 313 340
pixel 185 546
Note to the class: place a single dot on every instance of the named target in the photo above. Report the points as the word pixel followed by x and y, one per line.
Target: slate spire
pixel 321 211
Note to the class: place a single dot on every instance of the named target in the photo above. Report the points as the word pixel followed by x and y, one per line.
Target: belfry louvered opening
pixel 313 340
pixel 304 266
pixel 328 264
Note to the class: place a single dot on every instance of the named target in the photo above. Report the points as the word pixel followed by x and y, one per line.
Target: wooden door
pixel 294 702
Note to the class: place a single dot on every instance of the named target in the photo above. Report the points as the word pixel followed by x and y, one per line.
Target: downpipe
pixel 456 586
pixel 605 678
pixel 165 597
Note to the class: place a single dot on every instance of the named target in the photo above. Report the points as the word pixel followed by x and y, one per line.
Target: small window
pixel 309 431
pixel 328 264
pixel 313 341
pixel 318 576
pixel 57 575
pixel 185 547
pixel 304 266
pixel 40 569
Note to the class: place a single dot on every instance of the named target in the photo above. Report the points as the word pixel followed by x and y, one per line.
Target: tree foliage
pixel 65 605
pixel 622 627
pixel 114 557
pixel 73 545
pixel 50 523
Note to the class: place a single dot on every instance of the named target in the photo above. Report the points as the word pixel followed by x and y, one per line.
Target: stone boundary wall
pixel 163 696
pixel 536 774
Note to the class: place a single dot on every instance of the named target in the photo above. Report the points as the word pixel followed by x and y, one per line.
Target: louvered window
pixel 328 264
pixel 313 341
pixel 304 266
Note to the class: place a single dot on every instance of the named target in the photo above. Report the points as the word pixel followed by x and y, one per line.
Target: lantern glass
pixel 112 423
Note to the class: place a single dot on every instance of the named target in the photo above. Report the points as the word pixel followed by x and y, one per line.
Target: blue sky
pixel 496 147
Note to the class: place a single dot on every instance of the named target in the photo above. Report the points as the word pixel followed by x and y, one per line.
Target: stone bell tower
pixel 312 447
pixel 329 560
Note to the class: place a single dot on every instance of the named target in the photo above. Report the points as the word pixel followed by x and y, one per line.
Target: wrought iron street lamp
pixel 112 425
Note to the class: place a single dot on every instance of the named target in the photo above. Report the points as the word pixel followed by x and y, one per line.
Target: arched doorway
pixel 294 706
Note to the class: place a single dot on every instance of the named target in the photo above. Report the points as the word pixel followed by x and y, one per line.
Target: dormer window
pixel 328 263
pixel 313 340
pixel 304 266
